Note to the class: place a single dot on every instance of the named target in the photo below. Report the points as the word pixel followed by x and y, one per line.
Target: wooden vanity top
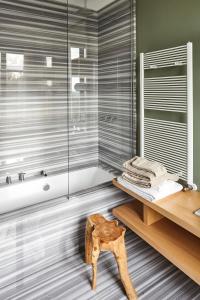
pixel 178 207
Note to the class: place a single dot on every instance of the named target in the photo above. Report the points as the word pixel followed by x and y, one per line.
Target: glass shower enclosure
pixel 101 99
pixel 67 89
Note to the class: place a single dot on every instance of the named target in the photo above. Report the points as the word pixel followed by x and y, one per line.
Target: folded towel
pixel 166 188
pixel 153 167
pixel 146 173
pixel 134 179
pixel 147 183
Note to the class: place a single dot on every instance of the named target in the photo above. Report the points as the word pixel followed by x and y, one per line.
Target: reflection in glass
pixel 14 62
pixel 75 82
pixel 15 66
pixel 49 82
pixel 75 53
pixel 49 62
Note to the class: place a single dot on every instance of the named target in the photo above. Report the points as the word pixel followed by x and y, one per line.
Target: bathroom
pixel 70 95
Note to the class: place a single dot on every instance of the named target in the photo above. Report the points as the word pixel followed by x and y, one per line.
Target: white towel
pixel 166 188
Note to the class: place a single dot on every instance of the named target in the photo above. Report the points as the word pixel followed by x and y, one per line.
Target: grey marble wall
pixel 117 82
pixel 57 110
pixel 33 107
pixel 42 113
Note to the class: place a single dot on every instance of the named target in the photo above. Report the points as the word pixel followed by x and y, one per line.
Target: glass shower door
pixel 83 94
pixel 116 83
pixel 101 94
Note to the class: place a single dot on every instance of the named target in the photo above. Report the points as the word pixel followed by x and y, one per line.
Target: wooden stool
pixel 104 235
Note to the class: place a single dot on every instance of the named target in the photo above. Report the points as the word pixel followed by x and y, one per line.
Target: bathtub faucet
pixel 21 176
pixel 43 173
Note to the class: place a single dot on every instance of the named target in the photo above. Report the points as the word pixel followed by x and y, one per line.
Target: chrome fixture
pixel 21 176
pixel 43 173
pixel 8 180
pixel 46 187
pixel 197 212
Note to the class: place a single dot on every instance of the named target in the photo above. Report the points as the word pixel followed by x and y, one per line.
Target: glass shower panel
pixel 33 88
pixel 67 89
pixel 101 96
pixel 83 92
pixel 116 85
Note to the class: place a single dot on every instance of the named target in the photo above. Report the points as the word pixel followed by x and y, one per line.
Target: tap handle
pixel 8 180
pixel 21 176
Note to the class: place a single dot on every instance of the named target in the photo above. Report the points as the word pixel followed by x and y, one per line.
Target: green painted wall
pixel 168 23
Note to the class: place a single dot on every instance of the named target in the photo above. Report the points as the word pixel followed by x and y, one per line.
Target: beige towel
pixel 145 166
pixel 134 180
pixel 146 173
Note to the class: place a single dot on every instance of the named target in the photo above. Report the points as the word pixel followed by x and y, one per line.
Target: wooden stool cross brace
pixel 104 235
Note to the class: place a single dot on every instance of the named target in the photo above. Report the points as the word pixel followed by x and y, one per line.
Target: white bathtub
pixel 18 195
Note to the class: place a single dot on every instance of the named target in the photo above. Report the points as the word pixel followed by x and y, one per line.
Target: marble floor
pixel 42 259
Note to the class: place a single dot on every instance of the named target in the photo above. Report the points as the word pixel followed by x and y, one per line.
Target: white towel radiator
pixel 169 137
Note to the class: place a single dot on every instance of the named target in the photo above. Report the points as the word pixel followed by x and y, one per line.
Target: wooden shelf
pixel 174 242
pixel 178 207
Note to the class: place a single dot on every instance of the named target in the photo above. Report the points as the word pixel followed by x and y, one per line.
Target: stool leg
pixel 121 258
pixel 88 243
pixel 95 256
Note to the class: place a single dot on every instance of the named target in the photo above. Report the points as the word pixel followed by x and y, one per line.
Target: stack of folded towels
pixel 149 179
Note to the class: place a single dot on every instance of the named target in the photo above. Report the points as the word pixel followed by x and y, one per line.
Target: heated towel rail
pixel 166 108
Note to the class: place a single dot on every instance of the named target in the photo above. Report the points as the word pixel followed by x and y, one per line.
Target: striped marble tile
pixel 40 117
pixel 61 69
pixel 42 249
pixel 37 236
pixel 117 97
pixel 32 94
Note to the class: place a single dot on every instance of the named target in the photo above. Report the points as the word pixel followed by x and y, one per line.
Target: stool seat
pixel 104 235
pixel 96 219
pixel 107 231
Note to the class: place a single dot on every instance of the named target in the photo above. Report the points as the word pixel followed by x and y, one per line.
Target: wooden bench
pixel 168 225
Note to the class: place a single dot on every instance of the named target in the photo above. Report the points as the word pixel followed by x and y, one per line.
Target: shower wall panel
pixel 117 95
